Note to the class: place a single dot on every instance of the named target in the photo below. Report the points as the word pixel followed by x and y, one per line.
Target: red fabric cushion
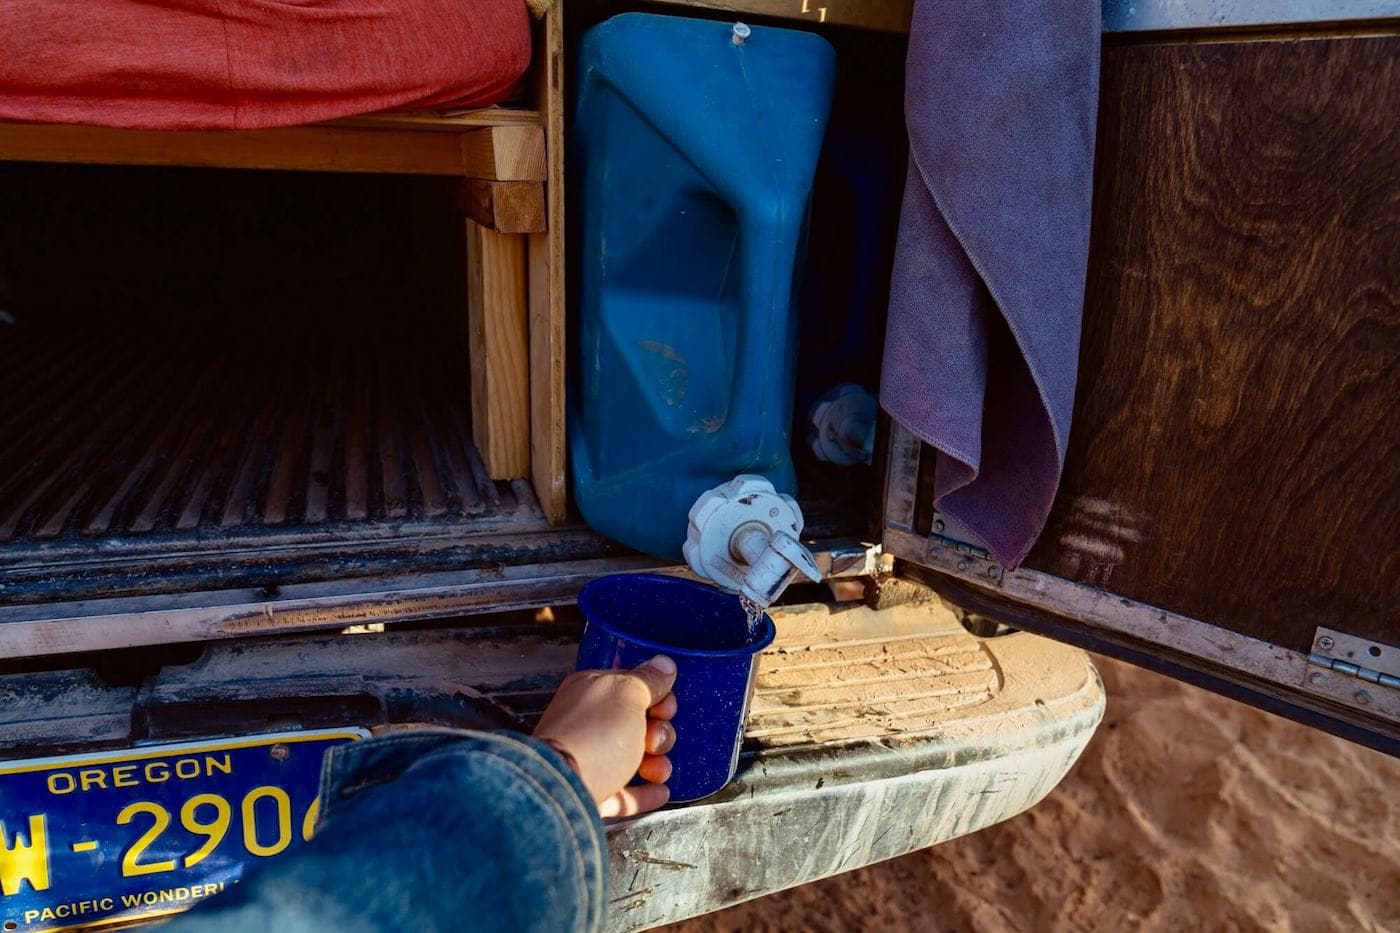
pixel 242 64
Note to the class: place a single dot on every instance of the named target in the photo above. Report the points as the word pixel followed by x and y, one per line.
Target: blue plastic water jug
pixel 694 145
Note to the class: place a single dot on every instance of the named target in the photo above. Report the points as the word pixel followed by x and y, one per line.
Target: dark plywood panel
pixel 1236 446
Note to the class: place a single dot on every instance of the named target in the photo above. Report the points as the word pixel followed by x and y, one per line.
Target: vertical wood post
pixel 499 348
pixel 547 281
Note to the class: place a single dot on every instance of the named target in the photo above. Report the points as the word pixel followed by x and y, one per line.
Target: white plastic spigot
pixel 841 425
pixel 744 537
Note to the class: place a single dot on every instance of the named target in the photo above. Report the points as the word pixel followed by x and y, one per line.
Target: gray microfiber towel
pixel 982 344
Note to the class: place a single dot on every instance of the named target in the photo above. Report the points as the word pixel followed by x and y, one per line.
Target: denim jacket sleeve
pixel 433 830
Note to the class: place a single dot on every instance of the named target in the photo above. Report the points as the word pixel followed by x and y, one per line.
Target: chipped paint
pixel 642 855
pixel 707 425
pixel 667 370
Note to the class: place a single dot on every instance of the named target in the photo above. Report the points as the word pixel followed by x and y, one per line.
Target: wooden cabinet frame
pixel 509 163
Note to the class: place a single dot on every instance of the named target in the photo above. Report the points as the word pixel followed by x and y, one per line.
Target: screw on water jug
pixel 841 425
pixel 694 167
pixel 743 536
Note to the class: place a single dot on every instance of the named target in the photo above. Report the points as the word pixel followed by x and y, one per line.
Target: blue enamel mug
pixel 631 618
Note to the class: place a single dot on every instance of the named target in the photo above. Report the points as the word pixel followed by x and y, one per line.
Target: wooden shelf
pixel 507 152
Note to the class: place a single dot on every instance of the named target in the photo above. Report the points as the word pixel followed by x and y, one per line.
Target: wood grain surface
pixel 500 361
pixel 505 153
pixel 882 15
pixel 1235 454
pixel 510 152
pixel 546 281
pixel 444 122
pixel 503 206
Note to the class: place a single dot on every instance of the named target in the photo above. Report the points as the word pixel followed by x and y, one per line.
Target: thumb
pixel 658 675
pixel 633 800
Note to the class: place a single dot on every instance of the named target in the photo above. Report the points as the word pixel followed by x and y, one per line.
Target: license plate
pixel 90 840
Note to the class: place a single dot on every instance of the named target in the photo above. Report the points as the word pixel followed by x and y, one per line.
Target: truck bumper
pixel 871 733
pixel 959 734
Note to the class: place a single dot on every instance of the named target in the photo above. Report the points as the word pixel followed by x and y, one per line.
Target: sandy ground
pixel 1187 811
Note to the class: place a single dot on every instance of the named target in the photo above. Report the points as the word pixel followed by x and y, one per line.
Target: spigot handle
pixel 743 536
pixel 796 554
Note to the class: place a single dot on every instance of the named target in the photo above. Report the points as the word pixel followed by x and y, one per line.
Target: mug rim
pixel 749 649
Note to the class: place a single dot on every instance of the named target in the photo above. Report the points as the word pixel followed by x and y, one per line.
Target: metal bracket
pixel 957 538
pixel 1354 671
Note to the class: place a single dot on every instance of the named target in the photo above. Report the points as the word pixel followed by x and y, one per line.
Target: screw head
pixel 1362 698
pixel 740 32
pixel 279 752
pixel 938 526
pixel 1318 678
pixel 1325 642
pixel 962 565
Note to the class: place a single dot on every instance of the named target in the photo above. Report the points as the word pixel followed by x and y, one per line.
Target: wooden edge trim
pixel 1103 610
pixel 504 153
pixel 431 121
pixel 503 206
pixel 498 345
pixel 546 285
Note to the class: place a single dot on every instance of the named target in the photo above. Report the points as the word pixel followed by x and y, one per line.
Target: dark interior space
pixel 190 353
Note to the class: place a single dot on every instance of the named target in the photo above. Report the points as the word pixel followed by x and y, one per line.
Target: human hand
pixel 616 724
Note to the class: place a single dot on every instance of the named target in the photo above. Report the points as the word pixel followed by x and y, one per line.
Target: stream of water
pixel 752 613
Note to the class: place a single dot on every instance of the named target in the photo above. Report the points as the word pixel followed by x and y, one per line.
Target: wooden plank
pixel 1235 455
pixel 443 122
pixel 547 285
pixel 882 15
pixel 1193 17
pixel 512 153
pixel 312 148
pixel 503 206
pixel 505 153
pixel 496 328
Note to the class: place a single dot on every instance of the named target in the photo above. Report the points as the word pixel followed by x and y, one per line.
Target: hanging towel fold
pixel 982 344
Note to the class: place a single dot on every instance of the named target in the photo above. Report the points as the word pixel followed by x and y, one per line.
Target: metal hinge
pixel 1358 672
pixel 1362 673
pixel 954 537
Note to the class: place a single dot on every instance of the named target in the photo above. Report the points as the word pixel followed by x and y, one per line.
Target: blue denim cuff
pixel 357 768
